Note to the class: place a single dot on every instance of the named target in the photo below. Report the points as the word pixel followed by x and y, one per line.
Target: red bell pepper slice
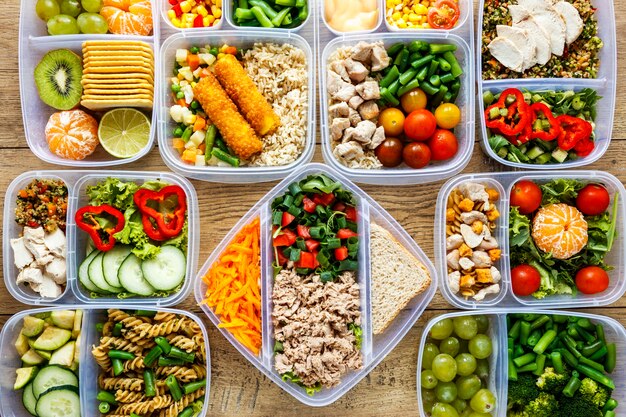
pixel 303 231
pixel 198 22
pixel 339 206
pixel 307 260
pixel 308 205
pixel 351 214
pixel 584 147
pixel 573 130
pixel 523 137
pixel 324 199
pixel 341 253
pixel 282 259
pixel 286 238
pixel 509 125
pixel 555 126
pixel 346 234
pixel 178 10
pixel 159 225
pixel 287 219
pixel 102 236
pixel 312 245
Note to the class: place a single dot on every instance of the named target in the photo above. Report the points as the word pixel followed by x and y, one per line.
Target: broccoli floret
pixel 577 407
pixel 522 391
pixel 593 392
pixel 552 382
pixel 514 413
pixel 545 405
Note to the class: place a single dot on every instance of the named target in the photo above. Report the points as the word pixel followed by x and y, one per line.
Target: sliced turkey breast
pixel 507 54
pixel 573 22
pixel 540 37
pixel 523 41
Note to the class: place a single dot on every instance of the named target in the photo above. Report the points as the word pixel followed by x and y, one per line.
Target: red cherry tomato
pixel 526 195
pixel 592 280
pixel 416 155
pixel 420 125
pixel 443 15
pixel 525 279
pixel 389 153
pixel 443 145
pixel 593 199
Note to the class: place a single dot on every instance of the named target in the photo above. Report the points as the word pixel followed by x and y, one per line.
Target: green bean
pixel 249 23
pixel 592 348
pixel 601 353
pixel 187 412
pixel 518 351
pixel 436 101
pixel 586 324
pixel 589 338
pixel 611 357
pixel 149 383
pixel 571 345
pixel 404 60
pixel 393 88
pixel 407 76
pixel 106 397
pixel 301 3
pixel 515 330
pixel 434 65
pixel 180 354
pixel 455 87
pixel 610 405
pixel 568 357
pixel 524 359
pixel 557 318
pixel 510 343
pixel 414 56
pixel 289 3
pixel 429 89
pixel 395 49
pixel 422 61
pixel 187 133
pixel 391 76
pixel 444 65
pixel 99 327
pixel 545 340
pixel 512 370
pixel 117 329
pixel 596 375
pixel 541 364
pixel 194 386
pixel 229 159
pixel 268 11
pixel 557 362
pixel 408 87
pixel 242 3
pixel 456 69
pixel 104 407
pixel 609 413
pixel 421 76
pixel 447 78
pixel 288 21
pixel 591 364
pixel 174 388
pixel 416 46
pixel 262 17
pixel 399 58
pixel 449 97
pixel 539 321
pixel 209 141
pixel 304 13
pixel 434 80
pixel 145 313
pixel 243 14
pixel 572 386
pixel 531 367
pixel 170 361
pixel 278 20
pixel 120 354
pixel 600 333
pixel 152 356
pixel 386 95
pixel 439 48
pixel 118 366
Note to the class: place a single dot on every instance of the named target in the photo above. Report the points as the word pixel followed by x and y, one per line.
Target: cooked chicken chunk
pixel 363 132
pixel 481 259
pixel 334 83
pixel 348 151
pixel 380 59
pixel 21 256
pixel 369 110
pixel 34 242
pixel 339 68
pixel 355 102
pixel 377 138
pixel 507 53
pixel 362 52
pixel 522 41
pixel 573 22
pixel 56 270
pixel 346 93
pixel 369 90
pixel 354 116
pixel 356 70
pixel 56 242
pixel 338 126
pixel 338 110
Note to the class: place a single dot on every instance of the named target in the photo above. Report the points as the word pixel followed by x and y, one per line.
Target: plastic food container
pixel 463 25
pixel 374 348
pixel 163 6
pixel 76 182
pixel 504 182
pixel 604 84
pixel 11 404
pixel 335 32
pixel 237 38
pixel 464 131
pixel 498 378
pixel 307 24
pixel 34 43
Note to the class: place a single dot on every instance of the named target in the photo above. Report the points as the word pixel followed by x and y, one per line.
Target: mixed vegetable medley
pixel 560 233
pixel 541 127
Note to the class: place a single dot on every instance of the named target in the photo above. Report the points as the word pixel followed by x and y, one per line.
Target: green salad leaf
pixel 561 190
pixel 134 235
pixel 113 192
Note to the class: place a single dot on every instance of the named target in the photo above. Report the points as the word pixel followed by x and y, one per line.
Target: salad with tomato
pixel 439 14
pixel 559 235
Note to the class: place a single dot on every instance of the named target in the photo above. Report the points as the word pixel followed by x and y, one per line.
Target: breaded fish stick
pixel 242 90
pixel 237 133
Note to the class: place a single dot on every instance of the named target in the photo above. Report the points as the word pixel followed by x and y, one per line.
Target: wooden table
pixel 237 387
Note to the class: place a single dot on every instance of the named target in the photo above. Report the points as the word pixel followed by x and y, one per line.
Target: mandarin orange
pixel 560 229
pixel 72 134
pixel 128 17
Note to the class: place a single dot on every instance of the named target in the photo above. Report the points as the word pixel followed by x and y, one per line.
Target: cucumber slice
pixel 534 152
pixel 74 366
pixel 96 275
pixel 64 356
pixel 111 263
pixel 44 354
pixel 559 154
pixel 167 270
pixel 21 344
pixel 24 376
pixel 52 338
pixel 83 273
pixel 78 321
pixel 63 318
pixel 32 326
pixel 29 400
pixel 52 376
pixel 132 278
pixel 62 402
pixel 32 358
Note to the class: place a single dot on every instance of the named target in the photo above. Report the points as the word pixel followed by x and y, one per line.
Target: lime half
pixel 124 132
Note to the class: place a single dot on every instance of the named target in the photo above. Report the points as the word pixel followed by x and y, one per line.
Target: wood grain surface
pixel 237 388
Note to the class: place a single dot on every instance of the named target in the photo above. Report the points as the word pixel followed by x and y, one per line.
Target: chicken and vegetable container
pixel 84 361
pixel 315 285
pixel 105 237
pixel 516 363
pixel 531 239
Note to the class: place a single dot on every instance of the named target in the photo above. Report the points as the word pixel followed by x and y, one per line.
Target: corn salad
pixel 186 14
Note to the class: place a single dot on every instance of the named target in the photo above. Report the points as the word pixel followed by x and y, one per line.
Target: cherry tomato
pixel 443 145
pixel 414 99
pixel 443 15
pixel 525 280
pixel 447 115
pixel 526 195
pixel 416 155
pixel 593 199
pixel 592 280
pixel 389 153
pixel 420 125
pixel 392 120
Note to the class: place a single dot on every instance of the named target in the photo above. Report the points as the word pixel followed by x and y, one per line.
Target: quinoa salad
pixel 579 59
pixel 42 203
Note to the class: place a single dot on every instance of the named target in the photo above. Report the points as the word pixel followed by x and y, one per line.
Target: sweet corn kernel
pixel 396 15
pixel 414 18
pixel 193 84
pixel 171 14
pixel 401 25
pixel 202 11
pixel 218 3
pixel 406 10
pixel 209 20
pixel 216 11
pixel 185 6
pixel 220 55
pixel 425 25
pixel 405 17
pixel 420 9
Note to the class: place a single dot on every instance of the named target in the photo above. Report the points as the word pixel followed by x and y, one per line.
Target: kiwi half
pixel 58 77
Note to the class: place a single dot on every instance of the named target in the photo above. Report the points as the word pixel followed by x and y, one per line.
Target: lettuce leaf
pixel 113 192
pixel 561 190
pixel 134 235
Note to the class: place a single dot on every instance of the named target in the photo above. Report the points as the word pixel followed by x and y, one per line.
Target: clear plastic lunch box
pixel 303 37
pixel 374 348
pixel 503 182
pixel 34 43
pixel 604 84
pixel 11 404
pixel 163 6
pixel 76 182
pixel 498 362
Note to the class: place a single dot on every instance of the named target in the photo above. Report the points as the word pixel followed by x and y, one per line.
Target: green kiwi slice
pixel 58 77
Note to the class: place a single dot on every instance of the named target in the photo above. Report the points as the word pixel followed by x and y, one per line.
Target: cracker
pixel 117 70
pixel 107 104
pixel 115 83
pixel 116 92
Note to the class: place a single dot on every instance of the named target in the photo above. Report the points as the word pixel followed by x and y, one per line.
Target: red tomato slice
pixel 346 234
pixel 287 218
pixel 341 253
pixel 443 15
pixel 308 205
pixel 303 231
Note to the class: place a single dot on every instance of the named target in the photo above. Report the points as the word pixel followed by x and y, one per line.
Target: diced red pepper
pixel 316 263
pixel 339 206
pixel 287 219
pixel 346 234
pixel 286 238
pixel 177 10
pixel 351 214
pixel 509 125
pixel 309 205
pixel 173 2
pixel 307 260
pixel 573 130
pixel 282 259
pixel 324 199
pixel 303 231
pixel 311 245
pixel 555 127
pixel 341 253
pixel 102 237
pixel 198 21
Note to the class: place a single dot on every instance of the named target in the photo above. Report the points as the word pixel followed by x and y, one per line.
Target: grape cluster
pixel 70 17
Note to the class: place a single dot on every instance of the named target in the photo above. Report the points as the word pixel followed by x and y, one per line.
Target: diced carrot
pixel 202 147
pixel 181 102
pixel 178 144
pixel 194 61
pixel 231 50
pixel 189 156
pixel 199 124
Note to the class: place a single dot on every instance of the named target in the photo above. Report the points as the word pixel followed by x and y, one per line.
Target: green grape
pixel 47 9
pixel 428 379
pixel 483 401
pixel 480 346
pixel 428 399
pixel 446 392
pixel 463 346
pixel 467 386
pixel 91 6
pixel 444 410
pixel 71 7
pixel 476 414
pixel 441 329
pixel 466 412
pixel 430 351
pixel 460 404
pixel 450 345
pixel 444 367
pixel 465 327
pixel 92 23
pixel 482 368
pixel 62 24
pixel 483 323
pixel 465 364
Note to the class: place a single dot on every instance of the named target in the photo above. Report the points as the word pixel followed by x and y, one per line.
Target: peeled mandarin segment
pixel 72 134
pixel 128 17
pixel 560 229
pixel 120 4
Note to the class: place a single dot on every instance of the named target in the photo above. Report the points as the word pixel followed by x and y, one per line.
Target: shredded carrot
pixel 233 287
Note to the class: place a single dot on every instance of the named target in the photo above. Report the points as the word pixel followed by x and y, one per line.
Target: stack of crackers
pixel 117 74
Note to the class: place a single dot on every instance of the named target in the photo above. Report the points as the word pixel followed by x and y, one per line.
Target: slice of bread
pixel 396 277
